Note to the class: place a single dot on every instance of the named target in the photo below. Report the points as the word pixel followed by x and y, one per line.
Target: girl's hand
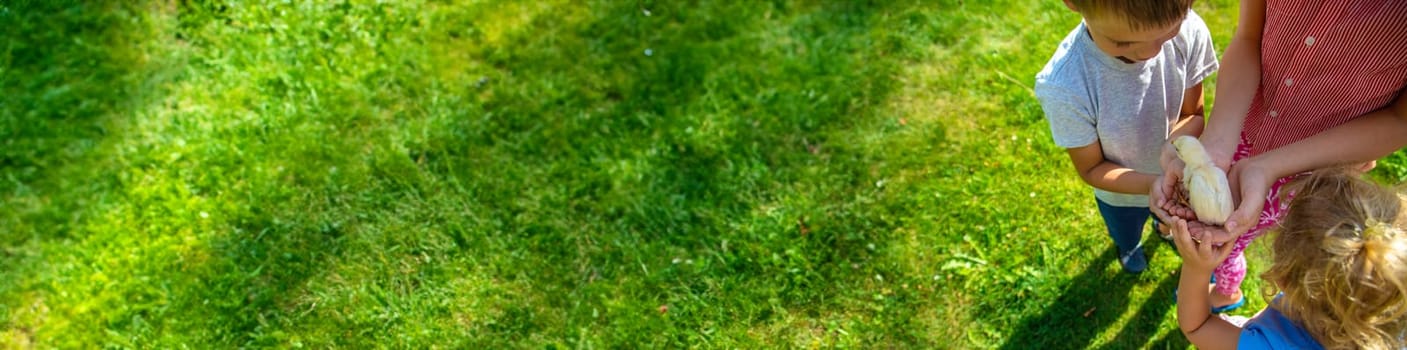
pixel 1197 254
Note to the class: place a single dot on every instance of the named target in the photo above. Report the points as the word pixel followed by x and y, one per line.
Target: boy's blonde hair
pixel 1340 259
pixel 1141 14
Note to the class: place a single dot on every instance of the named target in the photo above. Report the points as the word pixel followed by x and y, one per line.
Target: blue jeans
pixel 1125 225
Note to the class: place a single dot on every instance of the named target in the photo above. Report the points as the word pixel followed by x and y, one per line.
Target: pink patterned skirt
pixel 1232 271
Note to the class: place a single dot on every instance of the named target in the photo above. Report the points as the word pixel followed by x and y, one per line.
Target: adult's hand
pixel 1250 183
pixel 1222 155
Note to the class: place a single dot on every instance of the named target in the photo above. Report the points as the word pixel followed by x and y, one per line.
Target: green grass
pixel 553 174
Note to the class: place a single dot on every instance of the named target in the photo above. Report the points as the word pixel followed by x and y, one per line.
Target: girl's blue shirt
pixel 1272 330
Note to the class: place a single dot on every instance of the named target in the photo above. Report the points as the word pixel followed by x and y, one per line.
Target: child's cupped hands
pixel 1198 254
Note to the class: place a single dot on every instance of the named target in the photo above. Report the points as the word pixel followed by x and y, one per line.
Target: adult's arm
pixel 1363 139
pixel 1237 84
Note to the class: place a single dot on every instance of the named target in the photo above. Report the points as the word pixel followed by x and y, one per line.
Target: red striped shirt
pixel 1324 63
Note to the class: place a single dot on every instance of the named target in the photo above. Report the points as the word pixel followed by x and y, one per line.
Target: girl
pixel 1339 273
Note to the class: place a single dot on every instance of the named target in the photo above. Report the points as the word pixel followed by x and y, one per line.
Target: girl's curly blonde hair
pixel 1340 259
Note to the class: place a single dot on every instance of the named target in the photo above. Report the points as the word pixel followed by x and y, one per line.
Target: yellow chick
pixel 1208 192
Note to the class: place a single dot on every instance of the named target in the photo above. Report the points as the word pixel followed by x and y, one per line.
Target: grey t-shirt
pixel 1129 108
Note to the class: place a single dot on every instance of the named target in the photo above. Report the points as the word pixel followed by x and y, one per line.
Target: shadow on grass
pixel 72 75
pixel 1171 340
pixel 595 162
pixel 93 184
pixel 579 166
pixel 1092 302
pixel 69 72
pixel 1139 332
pixel 708 134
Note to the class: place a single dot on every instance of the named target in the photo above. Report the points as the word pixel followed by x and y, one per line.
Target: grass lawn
pixel 554 174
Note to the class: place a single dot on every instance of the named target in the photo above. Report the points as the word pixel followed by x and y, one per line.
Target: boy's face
pixel 1112 33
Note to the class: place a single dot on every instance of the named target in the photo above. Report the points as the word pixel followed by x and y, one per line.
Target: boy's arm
pixel 1071 124
pixel 1237 84
pixel 1189 121
pixel 1102 174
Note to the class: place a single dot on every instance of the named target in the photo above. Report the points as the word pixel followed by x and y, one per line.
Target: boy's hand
pixel 1167 189
pixel 1167 199
pixel 1197 254
pixel 1168 159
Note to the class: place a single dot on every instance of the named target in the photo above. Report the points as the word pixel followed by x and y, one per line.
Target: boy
pixel 1121 84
